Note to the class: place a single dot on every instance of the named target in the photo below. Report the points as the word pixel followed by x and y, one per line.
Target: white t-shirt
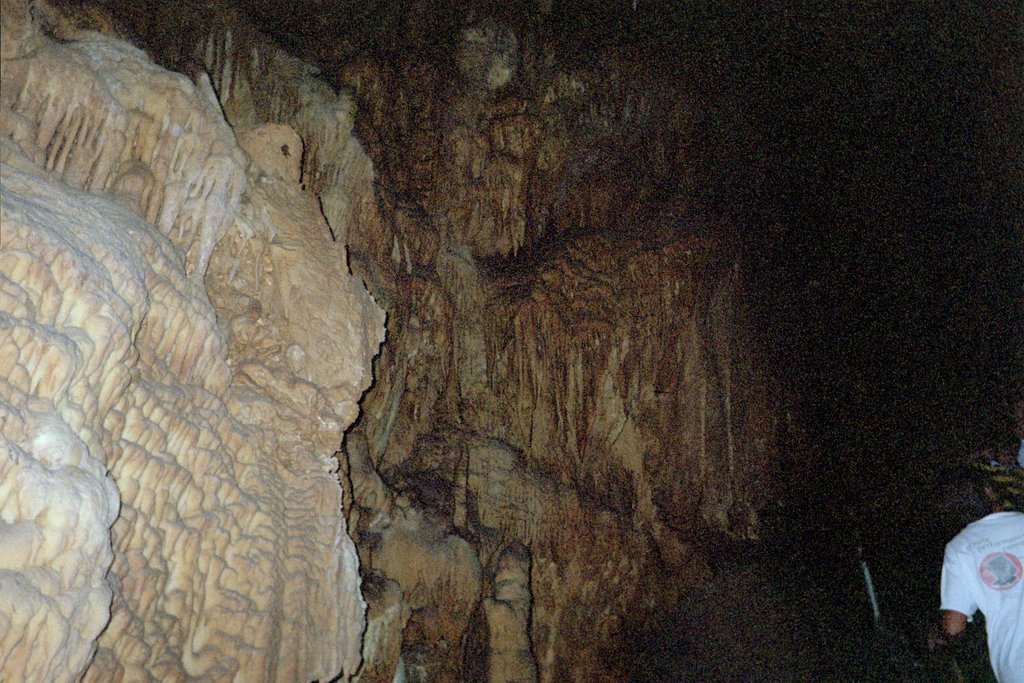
pixel 984 570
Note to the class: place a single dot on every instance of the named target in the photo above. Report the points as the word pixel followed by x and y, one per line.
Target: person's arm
pixel 948 628
pixel 956 600
pixel 953 622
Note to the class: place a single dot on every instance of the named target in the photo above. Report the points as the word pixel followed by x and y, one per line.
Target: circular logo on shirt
pixel 1001 571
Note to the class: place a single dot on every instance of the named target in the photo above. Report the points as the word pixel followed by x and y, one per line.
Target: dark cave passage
pixel 893 296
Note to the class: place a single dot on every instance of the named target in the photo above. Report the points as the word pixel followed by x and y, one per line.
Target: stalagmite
pixel 510 659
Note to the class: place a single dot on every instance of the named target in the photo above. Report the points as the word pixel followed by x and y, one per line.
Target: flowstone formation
pixel 570 401
pixel 181 348
pixel 586 401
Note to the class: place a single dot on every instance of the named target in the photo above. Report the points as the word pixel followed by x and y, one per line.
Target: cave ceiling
pixel 763 108
pixel 697 72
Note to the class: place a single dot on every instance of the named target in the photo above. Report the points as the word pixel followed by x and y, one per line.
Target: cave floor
pixel 764 617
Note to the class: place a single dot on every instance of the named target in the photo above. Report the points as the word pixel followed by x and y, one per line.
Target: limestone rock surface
pixel 571 368
pixel 571 364
pixel 510 659
pixel 172 396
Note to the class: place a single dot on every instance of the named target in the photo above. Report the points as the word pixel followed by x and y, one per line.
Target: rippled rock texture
pixel 181 348
pixel 570 401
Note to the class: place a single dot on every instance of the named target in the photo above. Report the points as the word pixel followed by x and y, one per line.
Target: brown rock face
pixel 510 656
pixel 570 365
pixel 568 402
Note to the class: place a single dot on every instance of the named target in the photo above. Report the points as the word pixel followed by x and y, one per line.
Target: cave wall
pixel 570 403
pixel 571 365
pixel 170 499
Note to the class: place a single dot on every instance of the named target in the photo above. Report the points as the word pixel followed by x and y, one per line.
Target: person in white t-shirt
pixel 983 569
